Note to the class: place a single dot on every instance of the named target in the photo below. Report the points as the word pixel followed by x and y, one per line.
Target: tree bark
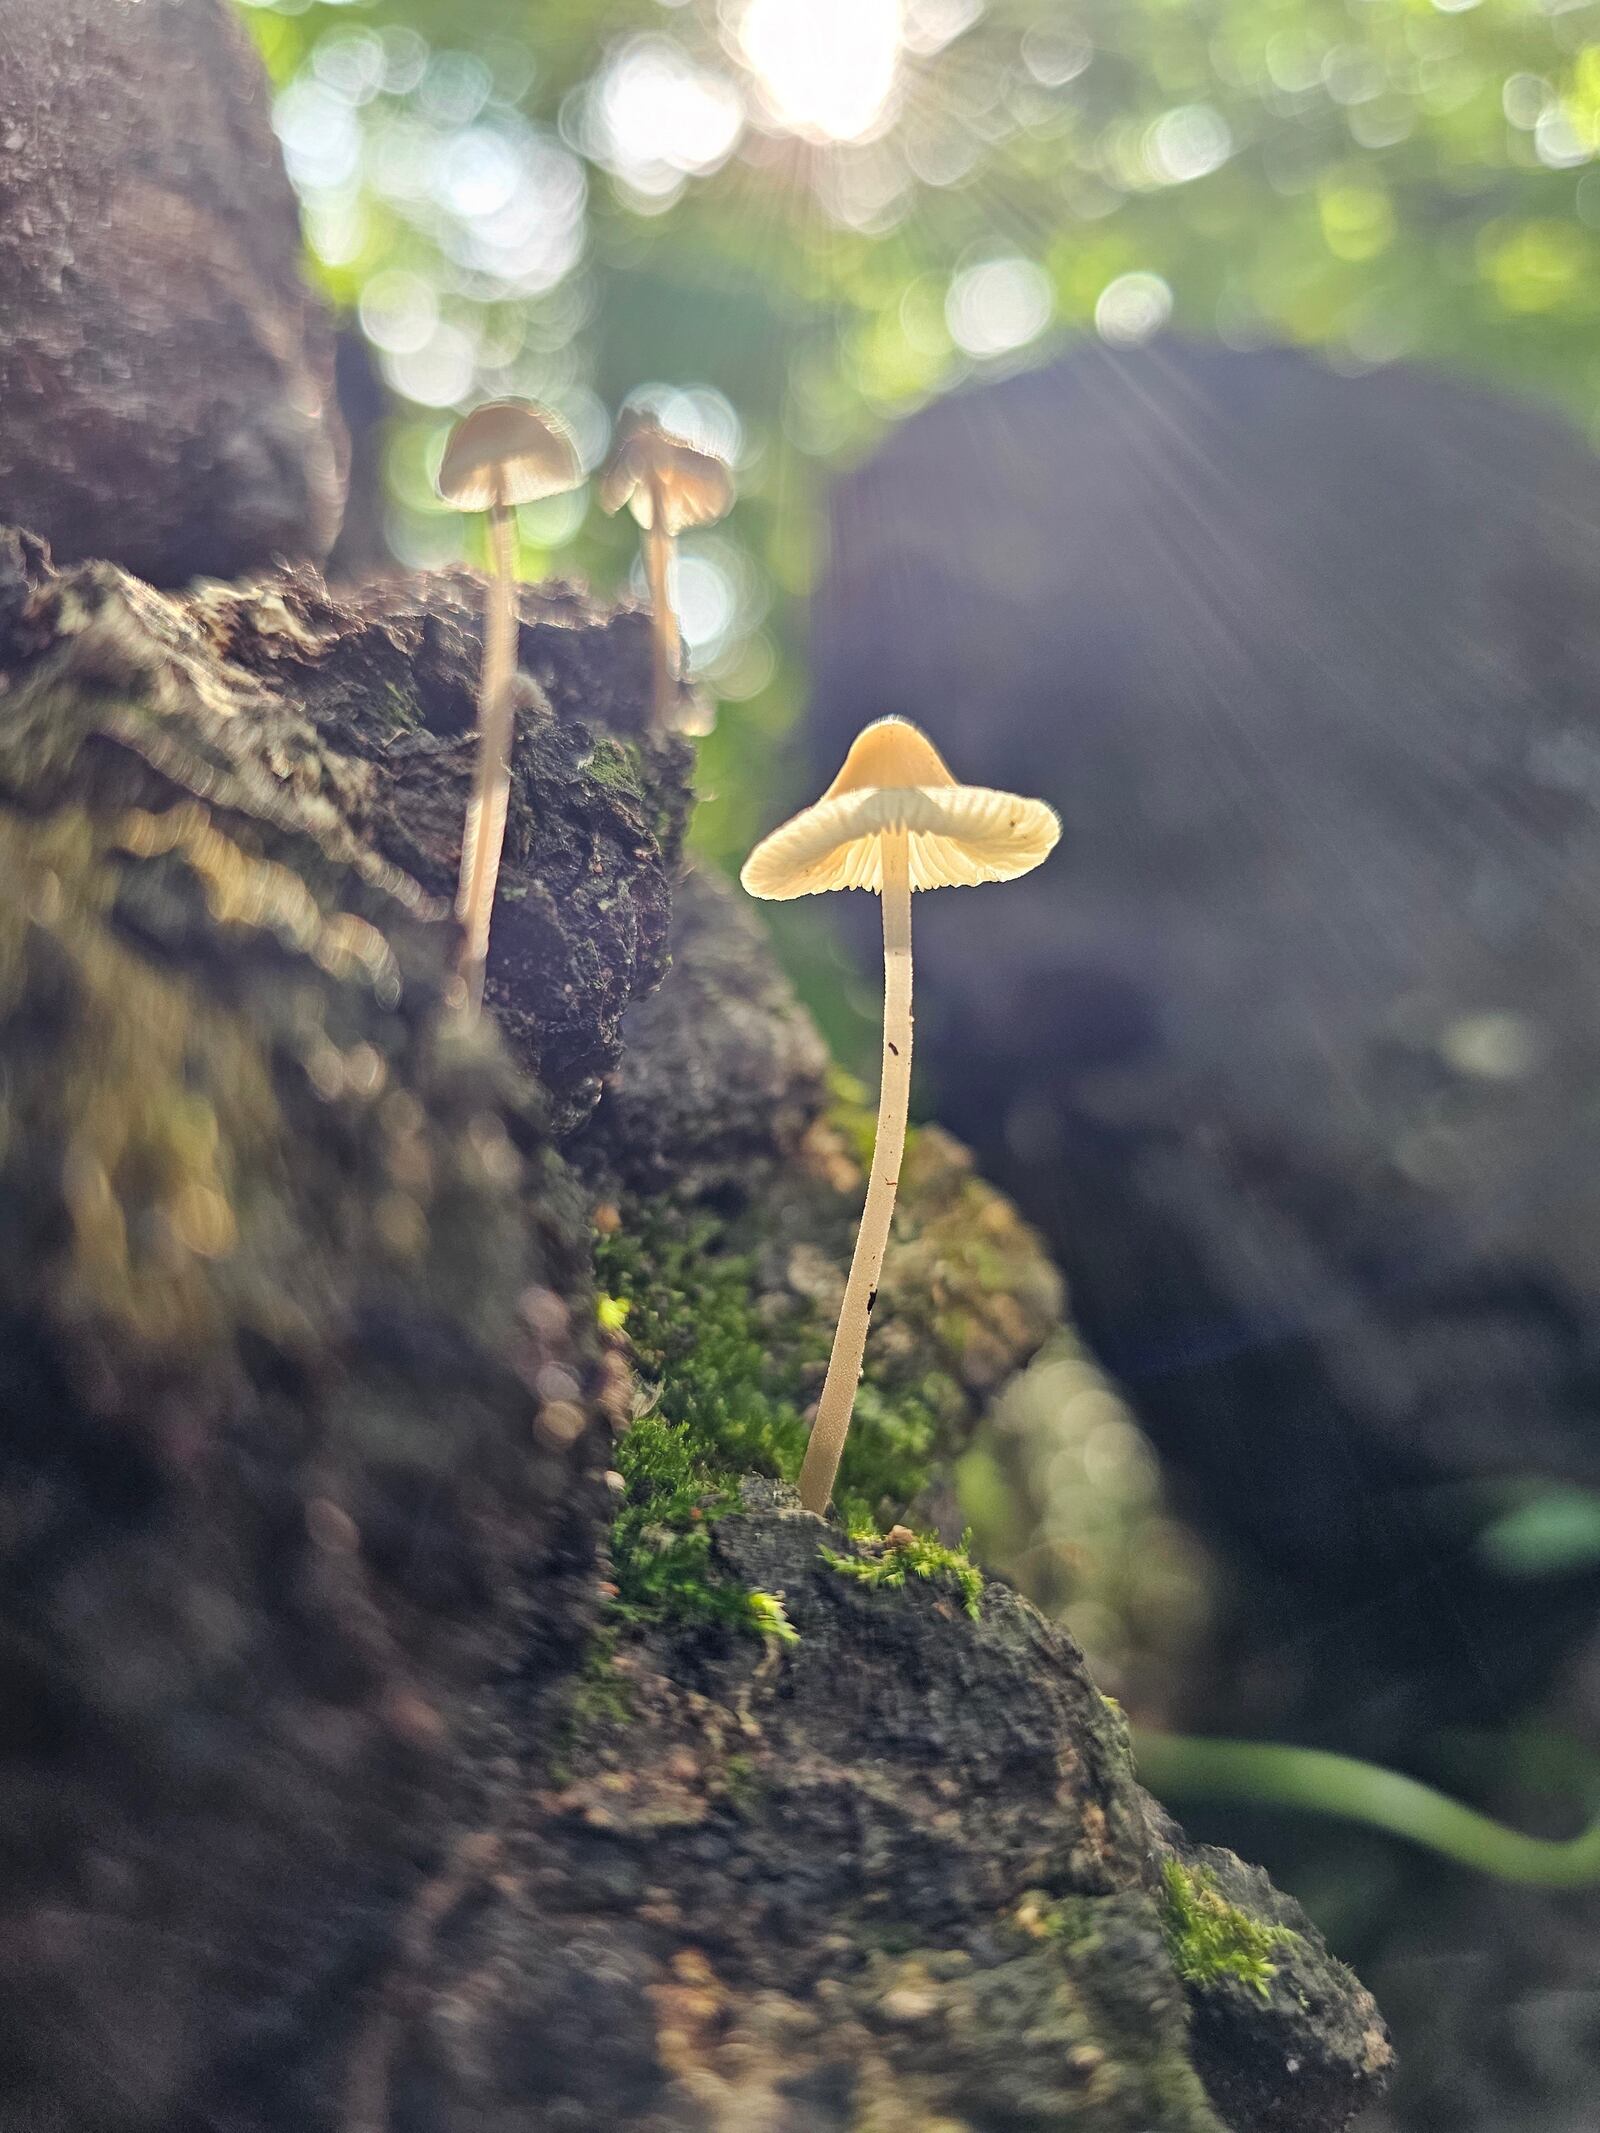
pixel 166 375
pixel 336 1790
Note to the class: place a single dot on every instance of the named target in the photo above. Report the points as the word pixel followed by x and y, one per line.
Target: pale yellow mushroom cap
pixel 509 446
pixel 695 487
pixel 894 778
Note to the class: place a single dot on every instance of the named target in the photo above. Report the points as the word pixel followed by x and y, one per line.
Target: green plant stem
pixel 838 1400
pixel 1319 1782
pixel 484 836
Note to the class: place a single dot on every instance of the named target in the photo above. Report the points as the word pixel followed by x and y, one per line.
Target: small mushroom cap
pixel 509 451
pixel 894 778
pixel 695 487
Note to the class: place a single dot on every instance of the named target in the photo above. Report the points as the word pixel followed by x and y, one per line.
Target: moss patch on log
pixel 882 1562
pixel 1209 1938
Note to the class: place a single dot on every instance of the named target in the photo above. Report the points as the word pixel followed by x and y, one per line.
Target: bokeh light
pixel 826 69
pixel 656 117
pixel 998 306
pixel 699 414
pixel 1132 308
pixel 1188 143
pixel 828 212
pixel 1131 1582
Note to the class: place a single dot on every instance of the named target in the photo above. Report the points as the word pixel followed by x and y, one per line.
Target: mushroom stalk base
pixel 832 1425
pixel 485 832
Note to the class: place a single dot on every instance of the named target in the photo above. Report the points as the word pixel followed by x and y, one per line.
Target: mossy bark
pixel 347 1783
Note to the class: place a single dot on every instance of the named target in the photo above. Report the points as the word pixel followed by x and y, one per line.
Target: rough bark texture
pixel 339 1787
pixel 294 1346
pixel 721 1074
pixel 896 1877
pixel 165 374
pixel 393 678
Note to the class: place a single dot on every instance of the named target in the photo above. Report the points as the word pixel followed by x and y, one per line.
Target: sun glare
pixel 826 69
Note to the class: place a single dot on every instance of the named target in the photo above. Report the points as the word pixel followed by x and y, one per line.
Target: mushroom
pixel 893 820
pixel 499 456
pixel 669 486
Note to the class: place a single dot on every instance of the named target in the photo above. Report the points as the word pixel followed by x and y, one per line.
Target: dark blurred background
pixel 1186 414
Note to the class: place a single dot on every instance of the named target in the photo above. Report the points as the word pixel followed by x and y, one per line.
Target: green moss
pixel 730 1402
pixel 888 1453
pixel 611 1313
pixel 611 764
pixel 638 776
pixel 736 1385
pixel 1094 2040
pixel 661 1538
pixel 602 1696
pixel 682 1461
pixel 404 707
pixel 1070 1921
pixel 767 1617
pixel 741 1785
pixel 689 1321
pixel 919 1555
pixel 1209 1938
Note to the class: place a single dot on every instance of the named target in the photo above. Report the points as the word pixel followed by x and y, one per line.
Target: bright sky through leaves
pixel 825 69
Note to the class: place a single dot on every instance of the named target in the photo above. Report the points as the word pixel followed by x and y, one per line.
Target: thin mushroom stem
pixel 485 832
pixel 838 1400
pixel 664 638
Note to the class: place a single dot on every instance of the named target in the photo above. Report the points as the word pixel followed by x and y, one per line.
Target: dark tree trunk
pixel 166 377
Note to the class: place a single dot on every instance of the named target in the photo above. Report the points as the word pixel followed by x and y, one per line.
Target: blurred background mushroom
pixel 499 456
pixel 669 486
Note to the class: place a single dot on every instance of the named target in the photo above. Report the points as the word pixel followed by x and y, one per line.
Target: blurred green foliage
pixel 1548 1530
pixel 575 198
